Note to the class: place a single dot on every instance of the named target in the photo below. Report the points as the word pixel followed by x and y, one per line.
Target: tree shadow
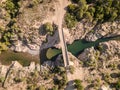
pixel 118 66
pixel 115 75
pixel 42 31
pixel 51 41
pixel 70 85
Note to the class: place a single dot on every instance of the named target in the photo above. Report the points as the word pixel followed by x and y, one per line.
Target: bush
pixel 82 4
pixel 72 8
pixel 88 16
pixel 94 10
pixel 17 80
pixel 41 88
pixel 12 6
pixel 55 87
pixel 78 85
pixel 3 47
pixel 118 85
pixel 91 10
pixel 72 69
pixel 79 14
pixel 2 79
pixel 70 20
pixel 48 28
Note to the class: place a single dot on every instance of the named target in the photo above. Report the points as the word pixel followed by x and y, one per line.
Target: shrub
pixel 91 10
pixel 12 6
pixel 2 79
pixel 94 10
pixel 72 8
pixel 79 14
pixel 48 28
pixel 82 4
pixel 87 15
pixel 3 47
pixel 72 69
pixel 70 20
pixel 78 84
pixel 55 87
pixel 113 16
pixel 118 85
pixel 41 88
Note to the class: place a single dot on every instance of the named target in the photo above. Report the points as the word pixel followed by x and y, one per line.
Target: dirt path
pixel 60 15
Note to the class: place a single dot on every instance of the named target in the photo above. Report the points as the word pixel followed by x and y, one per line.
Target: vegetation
pixel 12 6
pixel 72 69
pixel 61 82
pixel 48 27
pixel 7 57
pixel 78 84
pixel 70 20
pixel 92 10
pixel 118 85
pixel 41 88
pixel 2 79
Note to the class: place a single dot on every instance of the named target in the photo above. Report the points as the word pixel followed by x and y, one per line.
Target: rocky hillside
pixel 32 26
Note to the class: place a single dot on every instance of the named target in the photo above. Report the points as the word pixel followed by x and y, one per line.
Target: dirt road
pixel 60 15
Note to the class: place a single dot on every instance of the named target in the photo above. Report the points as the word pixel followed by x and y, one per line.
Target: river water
pixel 77 47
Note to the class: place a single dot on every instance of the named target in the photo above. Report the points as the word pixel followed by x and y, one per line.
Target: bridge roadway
pixel 60 16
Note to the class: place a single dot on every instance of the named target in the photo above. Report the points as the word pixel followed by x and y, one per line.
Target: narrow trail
pixel 60 16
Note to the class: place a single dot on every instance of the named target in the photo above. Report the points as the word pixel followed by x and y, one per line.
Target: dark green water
pixel 78 46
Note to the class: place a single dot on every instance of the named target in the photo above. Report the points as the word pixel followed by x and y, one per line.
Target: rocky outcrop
pixel 110 49
pixel 107 29
pixel 101 62
pixel 79 32
pixel 15 75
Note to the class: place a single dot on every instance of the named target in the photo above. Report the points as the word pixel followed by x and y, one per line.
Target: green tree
pixel 87 15
pixel 118 85
pixel 48 28
pixel 82 4
pixel 79 14
pixel 12 6
pixel 113 16
pixel 91 10
pixel 78 84
pixel 72 8
pixel 70 20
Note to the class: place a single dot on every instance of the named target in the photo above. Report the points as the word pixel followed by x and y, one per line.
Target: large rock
pixel 32 66
pixel 104 88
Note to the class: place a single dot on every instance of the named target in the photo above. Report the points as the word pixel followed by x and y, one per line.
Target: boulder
pixel 32 66
pixel 16 64
pixel 104 88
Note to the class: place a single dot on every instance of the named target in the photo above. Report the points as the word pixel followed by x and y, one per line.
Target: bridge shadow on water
pixel 46 49
pixel 75 48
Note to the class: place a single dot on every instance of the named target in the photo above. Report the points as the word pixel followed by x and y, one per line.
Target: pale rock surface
pixel 104 88
pixel 107 29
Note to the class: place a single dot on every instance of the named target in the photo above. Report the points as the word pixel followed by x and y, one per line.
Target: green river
pixel 77 46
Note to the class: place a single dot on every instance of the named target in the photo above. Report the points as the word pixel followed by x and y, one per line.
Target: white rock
pixel 16 64
pixel 105 88
pixel 32 66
